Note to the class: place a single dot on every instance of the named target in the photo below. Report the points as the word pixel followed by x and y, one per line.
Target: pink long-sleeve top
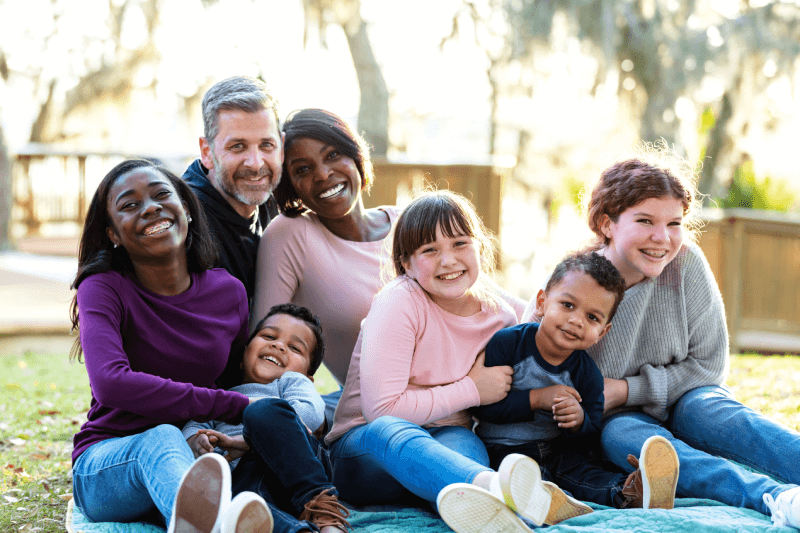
pixel 412 358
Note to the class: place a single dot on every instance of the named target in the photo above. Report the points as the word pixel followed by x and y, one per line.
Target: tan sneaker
pixel 522 489
pixel 326 511
pixel 468 508
pixel 659 466
pixel 563 506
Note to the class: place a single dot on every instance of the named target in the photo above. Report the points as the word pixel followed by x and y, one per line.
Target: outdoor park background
pixel 515 102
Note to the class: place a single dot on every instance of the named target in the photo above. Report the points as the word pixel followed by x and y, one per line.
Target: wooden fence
pixel 755 256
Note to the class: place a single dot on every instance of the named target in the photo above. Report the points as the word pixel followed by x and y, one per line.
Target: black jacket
pixel 237 237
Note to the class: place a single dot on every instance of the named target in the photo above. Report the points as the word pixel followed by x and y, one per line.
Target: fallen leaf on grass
pixel 65 497
pixel 46 412
pixel 17 442
pixel 40 457
pixel 11 499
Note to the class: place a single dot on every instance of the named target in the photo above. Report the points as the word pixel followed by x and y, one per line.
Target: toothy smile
pixel 160 227
pixel 451 276
pixel 331 192
pixel 654 254
pixel 271 360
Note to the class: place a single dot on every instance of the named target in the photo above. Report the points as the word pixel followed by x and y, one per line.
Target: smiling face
pixel 645 238
pixel 244 160
pixel 284 343
pixel 574 316
pixel 446 269
pixel 326 180
pixel 147 215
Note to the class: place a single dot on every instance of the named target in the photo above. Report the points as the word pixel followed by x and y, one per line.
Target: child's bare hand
pixel 568 412
pixel 199 444
pixel 235 446
pixel 545 397
pixel 493 383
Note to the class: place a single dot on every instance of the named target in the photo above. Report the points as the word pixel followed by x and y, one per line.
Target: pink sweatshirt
pixel 411 360
pixel 302 262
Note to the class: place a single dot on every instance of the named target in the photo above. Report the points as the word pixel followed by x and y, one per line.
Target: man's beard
pixel 251 195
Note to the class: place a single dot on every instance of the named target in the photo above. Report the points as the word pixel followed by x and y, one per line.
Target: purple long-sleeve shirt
pixel 154 359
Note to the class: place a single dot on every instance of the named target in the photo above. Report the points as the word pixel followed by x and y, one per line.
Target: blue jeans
pixel 132 478
pixel 389 458
pixel 283 465
pixel 331 401
pixel 572 463
pixel 706 427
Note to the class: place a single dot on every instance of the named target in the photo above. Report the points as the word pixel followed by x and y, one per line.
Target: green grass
pixel 44 399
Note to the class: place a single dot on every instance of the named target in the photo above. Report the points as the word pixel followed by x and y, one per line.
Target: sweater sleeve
pixel 589 384
pixel 114 384
pixel 299 391
pixel 390 333
pixel 656 388
pixel 504 349
pixel 191 427
pixel 279 268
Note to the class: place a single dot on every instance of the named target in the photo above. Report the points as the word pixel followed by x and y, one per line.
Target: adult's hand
pixel 615 392
pixel 493 383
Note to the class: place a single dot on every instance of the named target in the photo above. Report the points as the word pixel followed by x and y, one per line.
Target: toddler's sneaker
pixel 540 502
pixel 785 509
pixel 468 508
pixel 563 506
pixel 659 467
pixel 204 493
pixel 247 513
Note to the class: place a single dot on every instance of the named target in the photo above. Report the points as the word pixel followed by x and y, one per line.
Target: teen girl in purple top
pixel 157 328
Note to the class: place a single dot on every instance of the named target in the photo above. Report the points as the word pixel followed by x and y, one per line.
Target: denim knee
pixel 696 400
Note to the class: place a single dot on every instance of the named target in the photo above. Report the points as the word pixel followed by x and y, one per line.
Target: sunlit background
pixel 546 92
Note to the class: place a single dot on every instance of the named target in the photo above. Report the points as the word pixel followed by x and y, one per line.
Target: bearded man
pixel 240 162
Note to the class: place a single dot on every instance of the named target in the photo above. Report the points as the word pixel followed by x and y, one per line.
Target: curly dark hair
pixel 96 253
pixel 304 314
pixel 598 267
pixel 330 129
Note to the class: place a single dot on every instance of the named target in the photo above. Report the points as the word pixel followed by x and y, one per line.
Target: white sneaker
pixel 522 489
pixel 785 509
pixel 247 513
pixel 204 493
pixel 468 508
pixel 659 466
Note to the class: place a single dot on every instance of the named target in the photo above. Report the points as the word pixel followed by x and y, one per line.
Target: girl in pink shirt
pixel 402 425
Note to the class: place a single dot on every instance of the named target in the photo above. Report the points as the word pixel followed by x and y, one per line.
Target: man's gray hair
pixel 241 93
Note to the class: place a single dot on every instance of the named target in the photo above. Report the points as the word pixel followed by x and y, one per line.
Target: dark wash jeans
pixel 572 463
pixel 286 465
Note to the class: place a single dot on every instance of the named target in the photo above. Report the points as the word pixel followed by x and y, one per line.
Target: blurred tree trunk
pixel 717 140
pixel 373 108
pixel 6 194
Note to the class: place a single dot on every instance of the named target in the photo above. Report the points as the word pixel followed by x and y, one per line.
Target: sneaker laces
pixel 778 516
pixel 326 510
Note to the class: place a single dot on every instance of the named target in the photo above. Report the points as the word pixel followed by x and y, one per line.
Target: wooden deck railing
pixel 755 256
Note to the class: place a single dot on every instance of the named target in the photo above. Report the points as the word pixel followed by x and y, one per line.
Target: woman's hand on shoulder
pixel 493 383
pixel 615 392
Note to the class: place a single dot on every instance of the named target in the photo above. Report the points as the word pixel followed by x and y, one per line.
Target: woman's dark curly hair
pixel 97 254
pixel 330 129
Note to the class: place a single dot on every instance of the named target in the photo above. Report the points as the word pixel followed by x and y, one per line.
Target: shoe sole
pixel 660 467
pixel 470 509
pixel 254 517
pixel 523 491
pixel 203 492
pixel 563 506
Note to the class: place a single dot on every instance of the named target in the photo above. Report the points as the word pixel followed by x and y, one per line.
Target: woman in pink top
pixel 402 425
pixel 326 250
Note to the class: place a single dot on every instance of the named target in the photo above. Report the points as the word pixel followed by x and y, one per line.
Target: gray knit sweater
pixel 668 336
